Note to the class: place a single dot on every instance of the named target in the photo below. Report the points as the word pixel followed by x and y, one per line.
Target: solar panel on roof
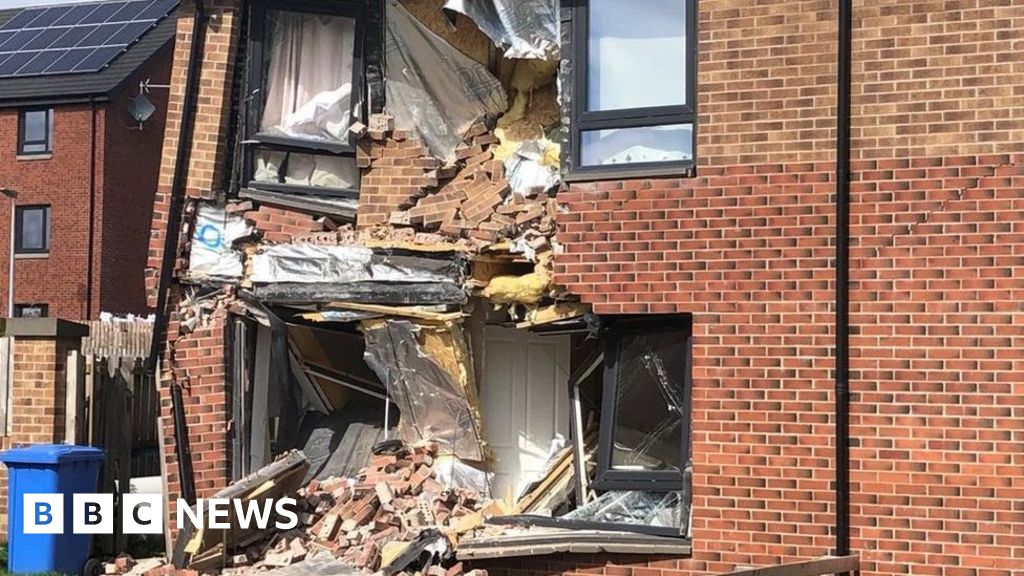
pixel 75 38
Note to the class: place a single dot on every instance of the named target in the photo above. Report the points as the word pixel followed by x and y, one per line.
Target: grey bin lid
pixel 51 454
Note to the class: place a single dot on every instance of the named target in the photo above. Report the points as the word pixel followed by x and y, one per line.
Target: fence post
pixel 74 400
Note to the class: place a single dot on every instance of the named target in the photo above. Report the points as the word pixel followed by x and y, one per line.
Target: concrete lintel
pixel 44 328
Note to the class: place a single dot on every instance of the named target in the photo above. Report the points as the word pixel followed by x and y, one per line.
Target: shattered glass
pixel 658 509
pixel 433 89
pixel 649 404
pixel 528 28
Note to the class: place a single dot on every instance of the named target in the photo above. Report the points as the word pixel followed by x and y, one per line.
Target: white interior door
pixel 525 403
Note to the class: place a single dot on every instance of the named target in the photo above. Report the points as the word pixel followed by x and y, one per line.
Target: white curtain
pixel 309 83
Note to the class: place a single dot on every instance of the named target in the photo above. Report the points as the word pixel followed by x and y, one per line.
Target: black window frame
pixel 19 211
pixel 258 59
pixel 608 478
pixel 19 310
pixel 47 141
pixel 584 120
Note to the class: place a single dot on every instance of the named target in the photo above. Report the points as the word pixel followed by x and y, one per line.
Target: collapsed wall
pixel 455 211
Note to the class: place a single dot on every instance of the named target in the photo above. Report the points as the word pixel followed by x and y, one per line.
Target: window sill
pixel 627 173
pixel 31 256
pixel 541 541
pixel 33 157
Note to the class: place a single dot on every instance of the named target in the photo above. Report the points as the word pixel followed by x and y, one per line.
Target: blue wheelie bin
pixel 48 469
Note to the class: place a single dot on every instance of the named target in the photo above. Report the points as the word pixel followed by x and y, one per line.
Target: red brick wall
pixel 393 177
pixel 131 169
pixel 207 168
pixel 37 410
pixel 63 182
pixel 747 247
pixel 198 359
pixel 125 167
pixel 198 364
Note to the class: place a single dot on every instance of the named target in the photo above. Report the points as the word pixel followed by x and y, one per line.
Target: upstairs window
pixel 306 87
pixel 634 107
pixel 35 132
pixel 32 230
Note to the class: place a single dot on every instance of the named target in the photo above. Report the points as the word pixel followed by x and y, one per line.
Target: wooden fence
pixel 113 403
pixel 118 339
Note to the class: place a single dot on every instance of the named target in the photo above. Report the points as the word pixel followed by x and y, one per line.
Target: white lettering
pixel 248 510
pixel 282 507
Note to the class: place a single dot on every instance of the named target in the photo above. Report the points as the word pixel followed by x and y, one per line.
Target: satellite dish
pixel 141 108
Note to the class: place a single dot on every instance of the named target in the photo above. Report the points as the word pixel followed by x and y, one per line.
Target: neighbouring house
pixel 79 171
pixel 687 286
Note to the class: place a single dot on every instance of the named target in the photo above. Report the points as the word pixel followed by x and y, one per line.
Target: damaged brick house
pixel 732 283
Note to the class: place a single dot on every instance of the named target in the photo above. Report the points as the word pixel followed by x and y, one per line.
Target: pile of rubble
pixel 369 520
pixel 394 516
pixel 470 198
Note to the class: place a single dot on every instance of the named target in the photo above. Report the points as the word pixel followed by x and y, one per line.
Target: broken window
pixel 644 436
pixel 634 108
pixel 630 423
pixel 305 91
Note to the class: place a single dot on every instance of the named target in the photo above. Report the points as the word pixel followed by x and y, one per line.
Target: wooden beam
pixel 553 313
pixel 417 312
pixel 830 565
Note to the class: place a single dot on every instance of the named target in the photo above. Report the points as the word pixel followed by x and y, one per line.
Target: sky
pixel 21 3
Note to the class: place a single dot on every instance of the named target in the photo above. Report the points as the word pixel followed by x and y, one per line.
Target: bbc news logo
pixel 143 513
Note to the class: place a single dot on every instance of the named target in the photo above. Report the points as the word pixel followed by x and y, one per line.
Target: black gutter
pixel 90 256
pixel 174 216
pixel 842 367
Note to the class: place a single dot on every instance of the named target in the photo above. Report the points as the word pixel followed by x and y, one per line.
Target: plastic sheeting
pixel 433 89
pixel 659 509
pixel 430 387
pixel 212 257
pixel 529 28
pixel 527 171
pixel 315 264
pixel 453 473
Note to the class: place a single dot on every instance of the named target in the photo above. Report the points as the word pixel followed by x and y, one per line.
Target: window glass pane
pixel 36 131
pixel 624 146
pixel 637 54
pixel 649 402
pixel 35 125
pixel 661 509
pixel 33 228
pixel 34 148
pixel 30 310
pixel 309 80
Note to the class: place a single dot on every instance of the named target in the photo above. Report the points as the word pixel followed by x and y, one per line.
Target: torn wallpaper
pixel 212 257
pixel 433 89
pixel 528 28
